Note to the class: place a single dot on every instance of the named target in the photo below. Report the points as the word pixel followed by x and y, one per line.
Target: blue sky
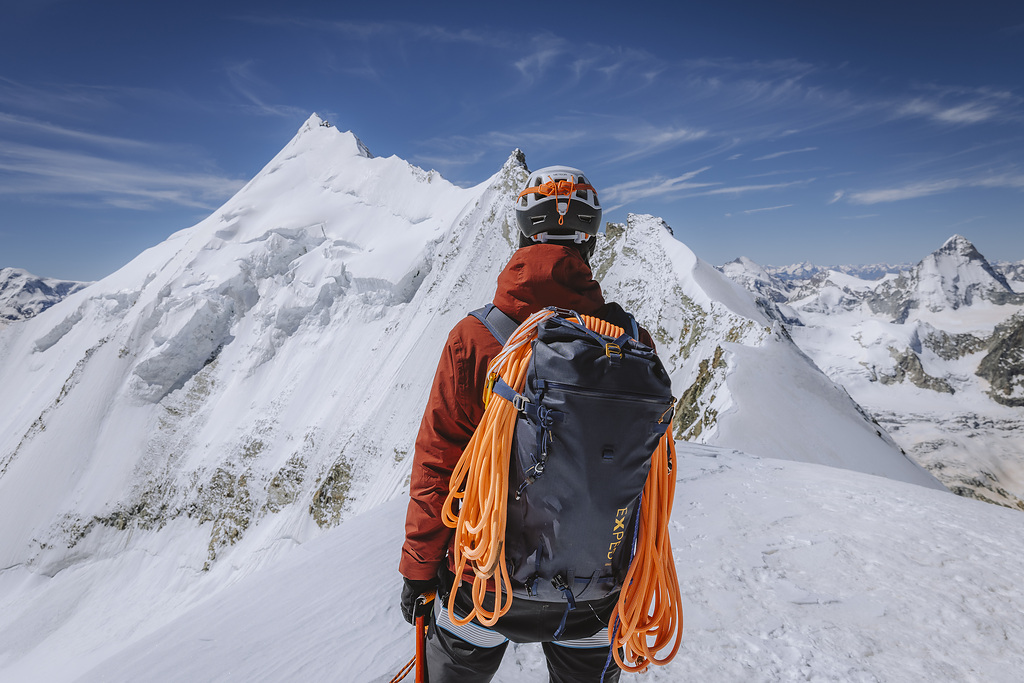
pixel 783 130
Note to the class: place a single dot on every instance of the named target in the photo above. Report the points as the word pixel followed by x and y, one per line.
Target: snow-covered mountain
pixel 1014 274
pixel 934 354
pixel 23 295
pixel 807 270
pixel 771 292
pixel 256 380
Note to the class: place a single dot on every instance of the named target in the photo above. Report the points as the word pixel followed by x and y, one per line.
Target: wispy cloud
pixel 933 187
pixel 950 105
pixel 36 171
pixel 743 189
pixel 767 208
pixel 21 124
pixel 655 186
pixel 18 96
pixel 247 84
pixel 968 112
pixel 543 54
pixel 462 150
pixel 776 155
pixel 647 140
pixel 374 30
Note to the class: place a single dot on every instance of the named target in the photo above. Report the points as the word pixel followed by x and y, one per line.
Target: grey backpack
pixel 590 417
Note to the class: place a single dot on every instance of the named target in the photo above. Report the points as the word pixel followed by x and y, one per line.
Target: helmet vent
pixel 537 220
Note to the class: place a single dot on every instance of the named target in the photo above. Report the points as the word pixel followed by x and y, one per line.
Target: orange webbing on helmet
pixel 649 603
pixel 557 188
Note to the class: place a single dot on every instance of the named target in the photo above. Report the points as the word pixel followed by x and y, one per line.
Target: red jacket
pixel 538 276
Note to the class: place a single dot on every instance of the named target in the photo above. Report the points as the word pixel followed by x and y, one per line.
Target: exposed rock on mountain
pixel 908 366
pixel 1003 366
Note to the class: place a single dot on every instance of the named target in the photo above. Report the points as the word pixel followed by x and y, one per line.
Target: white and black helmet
pixel 558 203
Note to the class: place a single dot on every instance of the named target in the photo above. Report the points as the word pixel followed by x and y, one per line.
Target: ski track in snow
pixel 789 572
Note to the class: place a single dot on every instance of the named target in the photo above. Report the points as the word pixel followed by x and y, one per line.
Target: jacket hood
pixel 543 275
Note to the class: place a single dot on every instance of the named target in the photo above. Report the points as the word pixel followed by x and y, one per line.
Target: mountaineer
pixel 558 215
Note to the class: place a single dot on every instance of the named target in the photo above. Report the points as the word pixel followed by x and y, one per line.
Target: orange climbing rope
pixel 649 607
pixel 648 615
pixel 480 483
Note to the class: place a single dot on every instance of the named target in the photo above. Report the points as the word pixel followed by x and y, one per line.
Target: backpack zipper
pixel 599 393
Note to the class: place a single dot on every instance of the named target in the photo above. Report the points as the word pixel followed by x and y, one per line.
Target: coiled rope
pixel 648 615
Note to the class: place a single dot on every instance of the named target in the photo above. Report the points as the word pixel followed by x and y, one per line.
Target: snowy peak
pixel 757 279
pixel 23 295
pixel 515 164
pixel 960 245
pixel 957 275
pixel 772 293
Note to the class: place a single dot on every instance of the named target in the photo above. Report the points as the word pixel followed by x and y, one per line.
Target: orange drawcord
pixel 649 604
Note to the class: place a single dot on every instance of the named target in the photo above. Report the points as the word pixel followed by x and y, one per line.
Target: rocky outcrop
pixel 908 366
pixel 1003 366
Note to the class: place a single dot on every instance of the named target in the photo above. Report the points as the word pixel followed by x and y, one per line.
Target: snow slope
pixel 790 572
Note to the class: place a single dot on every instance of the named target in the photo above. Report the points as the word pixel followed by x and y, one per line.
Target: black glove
pixel 412 590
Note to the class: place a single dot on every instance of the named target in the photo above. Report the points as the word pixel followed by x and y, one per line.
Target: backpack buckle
pixel 613 350
pixel 519 402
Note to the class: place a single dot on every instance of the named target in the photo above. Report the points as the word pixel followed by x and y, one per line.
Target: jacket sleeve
pixel 448 422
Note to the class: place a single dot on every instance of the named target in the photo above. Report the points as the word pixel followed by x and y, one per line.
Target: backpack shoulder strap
pixel 496 322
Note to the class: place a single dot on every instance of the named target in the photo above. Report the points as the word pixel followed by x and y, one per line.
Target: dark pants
pixel 453 658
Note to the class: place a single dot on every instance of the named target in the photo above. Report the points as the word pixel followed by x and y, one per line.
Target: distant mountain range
pixel 933 351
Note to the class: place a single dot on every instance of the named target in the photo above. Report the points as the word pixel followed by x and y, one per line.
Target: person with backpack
pixel 558 215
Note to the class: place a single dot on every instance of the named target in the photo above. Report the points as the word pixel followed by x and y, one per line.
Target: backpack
pixel 591 414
